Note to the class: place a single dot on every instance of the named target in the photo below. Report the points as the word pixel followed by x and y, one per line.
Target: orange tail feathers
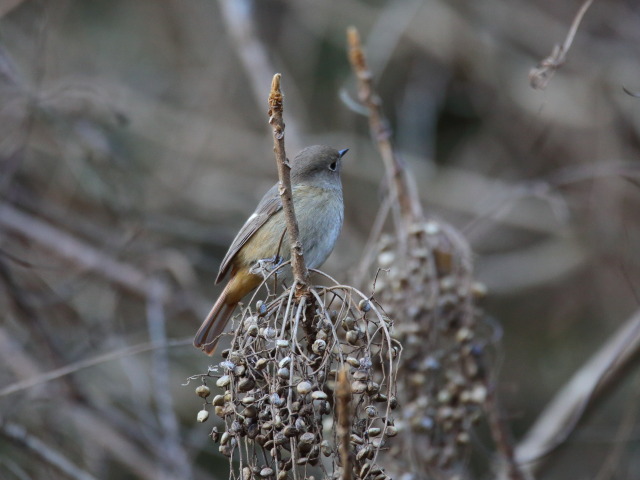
pixel 240 284
pixel 207 337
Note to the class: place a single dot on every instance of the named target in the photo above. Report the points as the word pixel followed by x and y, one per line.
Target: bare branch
pixel 594 379
pixel 402 185
pixel 540 76
pixel 19 435
pixel 300 272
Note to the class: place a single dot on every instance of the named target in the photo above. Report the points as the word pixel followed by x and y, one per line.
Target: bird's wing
pixel 268 206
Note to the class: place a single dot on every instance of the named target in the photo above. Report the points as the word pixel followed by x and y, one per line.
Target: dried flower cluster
pixel 429 289
pixel 276 388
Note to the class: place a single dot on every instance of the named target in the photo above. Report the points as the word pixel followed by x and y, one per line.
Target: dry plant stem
pixel 593 380
pixel 90 362
pixel 343 394
pixel 540 76
pixel 300 272
pixel 502 436
pixel 19 435
pixel 75 251
pixel 402 186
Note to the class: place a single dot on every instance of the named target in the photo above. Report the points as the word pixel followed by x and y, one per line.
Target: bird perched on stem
pixel 319 210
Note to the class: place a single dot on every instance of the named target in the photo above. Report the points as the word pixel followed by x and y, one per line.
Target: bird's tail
pixel 207 337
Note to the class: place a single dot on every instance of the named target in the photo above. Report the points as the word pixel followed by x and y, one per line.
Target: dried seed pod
pixel 281 343
pixel 305 442
pixel 354 362
pixel 319 346
pixel 269 333
pixel 223 381
pixel 374 431
pixel 203 391
pixel 348 323
pixel 277 400
pixel 225 450
pixel 304 387
pixel 250 412
pixel 290 431
pixel 284 373
pixel 248 400
pixel 319 395
pixel 353 336
pixel 253 330
pixel 239 370
pixel 364 305
pixel 356 440
pixel 261 364
pixel 246 384
pixel 363 453
pixel 300 425
pixel 284 362
pixel 372 388
pixel 280 438
pixel 361 375
pixel 219 411
pixel 203 415
pixel 371 411
pixel 282 475
pixel 218 400
pixel 246 473
pixel 358 387
pixel 224 439
pixel 326 448
pixel 266 472
pixel 391 431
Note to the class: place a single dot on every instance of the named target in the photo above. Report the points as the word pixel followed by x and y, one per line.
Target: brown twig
pixel 343 408
pixel 401 185
pixel 300 271
pixel 540 76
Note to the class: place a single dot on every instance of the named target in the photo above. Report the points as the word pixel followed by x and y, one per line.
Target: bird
pixel 319 209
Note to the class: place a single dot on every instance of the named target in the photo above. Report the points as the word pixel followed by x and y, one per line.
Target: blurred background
pixel 134 143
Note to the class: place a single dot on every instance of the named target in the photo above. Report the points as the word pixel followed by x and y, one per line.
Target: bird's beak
pixel 342 152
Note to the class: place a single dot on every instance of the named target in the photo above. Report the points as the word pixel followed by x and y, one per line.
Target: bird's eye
pixel 333 166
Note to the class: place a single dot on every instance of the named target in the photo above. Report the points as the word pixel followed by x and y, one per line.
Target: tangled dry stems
pixel 278 384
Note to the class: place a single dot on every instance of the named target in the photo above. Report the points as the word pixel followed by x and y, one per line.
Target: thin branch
pixel 87 363
pixel 75 251
pixel 170 442
pixel 300 271
pixel 402 186
pixel 540 76
pixel 19 435
pixel 594 379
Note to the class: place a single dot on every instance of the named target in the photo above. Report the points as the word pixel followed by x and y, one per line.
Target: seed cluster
pixel 276 388
pixel 429 290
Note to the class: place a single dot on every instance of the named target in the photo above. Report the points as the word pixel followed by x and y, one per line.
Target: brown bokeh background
pixel 135 142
